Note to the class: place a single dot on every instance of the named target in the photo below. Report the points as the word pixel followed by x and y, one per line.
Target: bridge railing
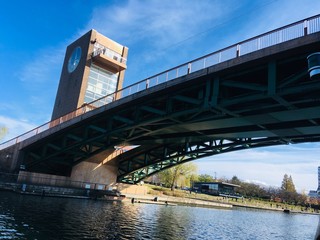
pixel 100 49
pixel 280 35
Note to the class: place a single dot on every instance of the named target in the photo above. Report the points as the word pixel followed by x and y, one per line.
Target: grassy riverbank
pixel 164 194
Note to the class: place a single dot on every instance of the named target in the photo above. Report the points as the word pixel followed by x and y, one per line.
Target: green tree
pixel 3 132
pixel 171 176
pixel 291 186
pixel 288 191
pixel 235 180
pixel 252 190
pixel 287 184
pixel 193 178
pixel 205 178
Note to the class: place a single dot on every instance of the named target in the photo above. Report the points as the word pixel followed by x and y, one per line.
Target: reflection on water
pixel 29 217
pixel 317 236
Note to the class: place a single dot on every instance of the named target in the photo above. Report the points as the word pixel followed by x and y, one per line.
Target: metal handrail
pixel 289 32
pixel 101 49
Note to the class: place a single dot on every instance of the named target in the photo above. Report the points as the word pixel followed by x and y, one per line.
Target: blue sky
pixel 159 35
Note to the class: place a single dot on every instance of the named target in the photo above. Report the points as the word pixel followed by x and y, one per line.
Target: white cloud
pixel 163 35
pixel 159 24
pixel 278 155
pixel 15 127
pixel 42 66
pixel 268 165
pixel 153 31
pixel 258 182
pixel 278 14
pixel 150 28
pixel 6 106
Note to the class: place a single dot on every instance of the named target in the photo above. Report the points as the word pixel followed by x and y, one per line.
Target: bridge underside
pixel 261 99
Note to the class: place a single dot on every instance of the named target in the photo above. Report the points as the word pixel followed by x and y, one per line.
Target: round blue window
pixel 74 59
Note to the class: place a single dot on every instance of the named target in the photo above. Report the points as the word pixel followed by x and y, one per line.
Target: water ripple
pixel 29 217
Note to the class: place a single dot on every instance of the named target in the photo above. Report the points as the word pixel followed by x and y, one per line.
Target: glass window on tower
pixel 101 83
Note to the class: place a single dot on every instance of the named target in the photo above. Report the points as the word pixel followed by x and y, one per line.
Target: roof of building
pixel 223 183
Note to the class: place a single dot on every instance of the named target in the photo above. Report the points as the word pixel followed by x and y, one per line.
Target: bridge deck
pixel 258 99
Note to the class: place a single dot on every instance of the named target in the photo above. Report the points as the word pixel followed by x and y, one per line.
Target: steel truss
pixel 254 104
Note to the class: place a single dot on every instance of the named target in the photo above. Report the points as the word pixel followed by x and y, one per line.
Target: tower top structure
pixel 93 67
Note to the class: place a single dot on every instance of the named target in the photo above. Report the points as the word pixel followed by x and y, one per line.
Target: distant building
pixel 215 188
pixel 318 179
pixel 313 194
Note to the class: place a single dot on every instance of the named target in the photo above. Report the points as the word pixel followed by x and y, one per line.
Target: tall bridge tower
pixel 93 67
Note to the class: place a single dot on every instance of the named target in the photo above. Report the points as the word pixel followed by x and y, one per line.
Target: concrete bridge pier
pixel 11 159
pixel 91 174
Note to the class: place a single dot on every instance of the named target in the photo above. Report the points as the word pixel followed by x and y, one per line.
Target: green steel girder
pixel 188 99
pixel 272 78
pixel 53 146
pixel 282 92
pixel 74 137
pixel 135 175
pixel 130 171
pixel 200 117
pixel 176 156
pixel 98 129
pixel 249 86
pixel 292 79
pixel 123 120
pixel 151 109
pixel 119 130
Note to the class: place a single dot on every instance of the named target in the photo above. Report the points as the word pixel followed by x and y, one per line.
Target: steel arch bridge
pixel 259 99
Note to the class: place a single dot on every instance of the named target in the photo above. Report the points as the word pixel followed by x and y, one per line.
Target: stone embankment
pixel 139 194
pixel 52 191
pixel 168 200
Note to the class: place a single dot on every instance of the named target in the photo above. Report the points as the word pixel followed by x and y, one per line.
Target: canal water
pixel 33 217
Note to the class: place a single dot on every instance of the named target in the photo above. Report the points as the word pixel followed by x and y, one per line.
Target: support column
pixel 272 78
pixel 215 91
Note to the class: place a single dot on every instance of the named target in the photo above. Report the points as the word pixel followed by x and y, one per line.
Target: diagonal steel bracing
pixel 165 156
pixel 233 106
